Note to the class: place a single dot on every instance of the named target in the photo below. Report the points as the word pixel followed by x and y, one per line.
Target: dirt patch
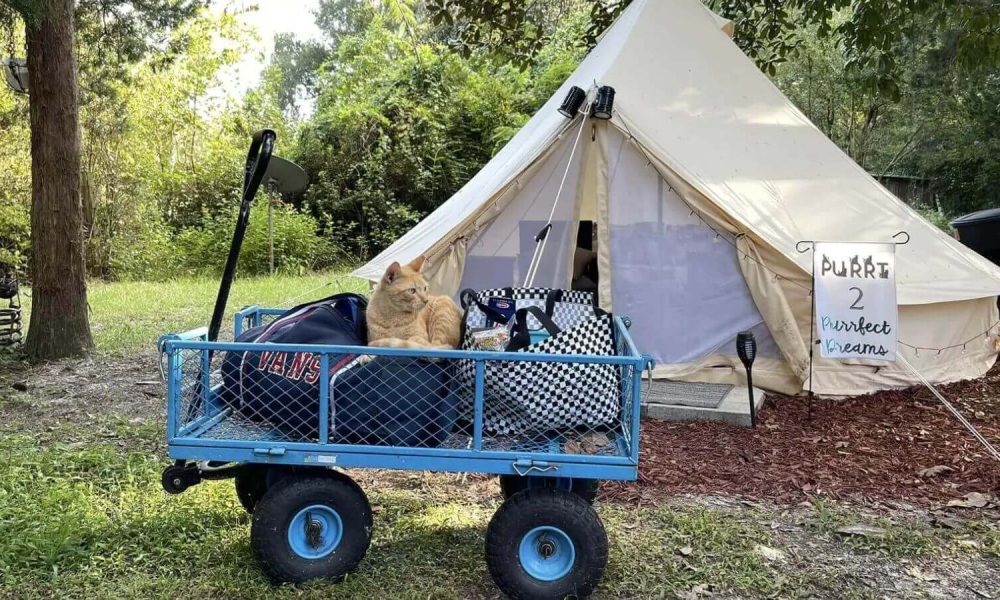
pixel 892 446
pixel 76 392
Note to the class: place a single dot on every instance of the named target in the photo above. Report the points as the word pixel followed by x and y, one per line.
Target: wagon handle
pixel 261 148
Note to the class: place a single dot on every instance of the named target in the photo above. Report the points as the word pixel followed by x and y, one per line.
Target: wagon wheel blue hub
pixel 315 531
pixel 546 553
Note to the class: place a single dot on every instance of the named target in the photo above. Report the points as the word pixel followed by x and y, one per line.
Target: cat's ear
pixel 417 264
pixel 392 273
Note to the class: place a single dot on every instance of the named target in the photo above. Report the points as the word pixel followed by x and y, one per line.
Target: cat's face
pixel 404 286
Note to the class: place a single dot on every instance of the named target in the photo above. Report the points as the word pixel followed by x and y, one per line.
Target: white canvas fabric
pixel 700 136
pixel 501 250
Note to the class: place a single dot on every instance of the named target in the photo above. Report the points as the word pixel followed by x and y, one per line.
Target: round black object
pixel 546 544
pixel 8 287
pixel 981 232
pixel 311 527
pixel 571 104
pixel 584 488
pixel 174 480
pixel 251 485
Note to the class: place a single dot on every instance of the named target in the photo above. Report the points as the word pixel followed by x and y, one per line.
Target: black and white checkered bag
pixel 565 307
pixel 530 396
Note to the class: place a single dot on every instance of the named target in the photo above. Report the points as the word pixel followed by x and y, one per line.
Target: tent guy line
pixel 954 411
pixel 543 236
pixel 725 236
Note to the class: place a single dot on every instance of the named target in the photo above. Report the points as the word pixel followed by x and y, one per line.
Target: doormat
pixel 698 395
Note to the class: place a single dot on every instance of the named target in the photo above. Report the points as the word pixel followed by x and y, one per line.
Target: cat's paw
pixel 364 359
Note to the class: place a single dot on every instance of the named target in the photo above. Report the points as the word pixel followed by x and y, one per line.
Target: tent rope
pixel 543 236
pixel 954 411
pixel 725 236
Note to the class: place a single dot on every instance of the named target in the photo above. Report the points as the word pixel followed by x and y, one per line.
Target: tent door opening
pixel 585 274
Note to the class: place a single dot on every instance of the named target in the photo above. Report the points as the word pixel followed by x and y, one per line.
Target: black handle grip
pixel 258 157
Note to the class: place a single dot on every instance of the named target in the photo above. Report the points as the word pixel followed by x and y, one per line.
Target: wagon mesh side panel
pixel 628 380
pixel 188 373
pixel 395 401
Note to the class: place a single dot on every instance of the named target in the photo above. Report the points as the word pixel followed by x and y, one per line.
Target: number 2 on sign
pixel 856 304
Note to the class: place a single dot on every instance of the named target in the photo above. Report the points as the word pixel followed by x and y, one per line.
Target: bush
pixel 296 246
pixel 15 237
pixel 936 218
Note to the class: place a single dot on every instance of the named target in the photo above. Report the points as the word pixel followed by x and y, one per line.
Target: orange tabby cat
pixel 401 314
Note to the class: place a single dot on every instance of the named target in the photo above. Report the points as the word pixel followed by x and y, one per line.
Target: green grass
pixel 82 513
pixel 92 522
pixel 128 317
pixel 900 539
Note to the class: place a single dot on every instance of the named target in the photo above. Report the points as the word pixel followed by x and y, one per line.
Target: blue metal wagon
pixel 311 520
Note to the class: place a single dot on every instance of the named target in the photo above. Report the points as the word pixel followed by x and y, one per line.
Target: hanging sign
pixel 856 310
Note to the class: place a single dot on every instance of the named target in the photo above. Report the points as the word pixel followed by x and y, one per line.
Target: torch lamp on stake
pixel 746 349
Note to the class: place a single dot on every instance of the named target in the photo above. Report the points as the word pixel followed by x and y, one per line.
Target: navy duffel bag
pixel 393 401
pixel 398 401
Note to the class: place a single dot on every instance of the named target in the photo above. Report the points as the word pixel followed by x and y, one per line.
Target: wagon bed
pixel 201 428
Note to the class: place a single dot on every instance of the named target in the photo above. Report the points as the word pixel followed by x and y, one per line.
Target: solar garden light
pixel 572 103
pixel 746 349
pixel 604 104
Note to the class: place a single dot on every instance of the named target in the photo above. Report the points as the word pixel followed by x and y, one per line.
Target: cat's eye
pixel 412 290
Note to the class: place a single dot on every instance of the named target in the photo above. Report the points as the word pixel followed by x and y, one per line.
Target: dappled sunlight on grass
pixel 91 521
pixel 129 316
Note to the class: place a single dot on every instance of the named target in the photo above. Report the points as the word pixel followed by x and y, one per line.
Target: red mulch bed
pixel 869 448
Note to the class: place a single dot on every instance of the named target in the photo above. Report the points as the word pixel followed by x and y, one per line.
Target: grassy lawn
pixel 128 317
pixel 82 513
pixel 93 522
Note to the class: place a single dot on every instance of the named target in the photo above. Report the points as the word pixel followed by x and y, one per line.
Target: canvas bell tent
pixel 692 198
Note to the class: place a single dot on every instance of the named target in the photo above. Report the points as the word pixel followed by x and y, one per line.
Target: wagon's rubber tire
pixel 546 544
pixel 584 488
pixel 251 485
pixel 311 526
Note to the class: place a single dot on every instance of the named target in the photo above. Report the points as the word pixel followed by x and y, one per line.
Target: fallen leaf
pixel 916 573
pixel 685 551
pixel 771 554
pixel 698 591
pixel 946 522
pixel 935 470
pixel 981 594
pixel 972 500
pixel 862 531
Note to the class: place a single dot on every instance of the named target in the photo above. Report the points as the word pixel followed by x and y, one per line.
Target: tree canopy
pixel 399 102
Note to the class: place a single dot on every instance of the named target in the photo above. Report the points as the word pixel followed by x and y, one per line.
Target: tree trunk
pixel 59 325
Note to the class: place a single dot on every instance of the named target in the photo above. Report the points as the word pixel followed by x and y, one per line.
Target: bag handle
pixel 521 338
pixel 550 301
pixel 468 298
